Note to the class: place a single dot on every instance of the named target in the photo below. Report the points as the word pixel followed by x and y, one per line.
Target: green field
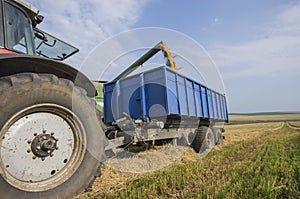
pixel 256 161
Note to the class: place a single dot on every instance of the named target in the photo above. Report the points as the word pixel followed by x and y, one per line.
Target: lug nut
pixel 51 154
pixel 44 131
pixel 52 133
pixel 29 141
pixel 33 157
pixel 28 151
pixel 35 134
pixel 56 148
pixel 43 159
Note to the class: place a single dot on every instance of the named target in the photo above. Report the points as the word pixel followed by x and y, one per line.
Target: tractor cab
pixel 19 33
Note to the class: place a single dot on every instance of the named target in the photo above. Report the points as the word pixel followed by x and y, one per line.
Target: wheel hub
pixel 43 145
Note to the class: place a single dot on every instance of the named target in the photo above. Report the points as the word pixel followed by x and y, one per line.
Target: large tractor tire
pixel 204 139
pixel 51 142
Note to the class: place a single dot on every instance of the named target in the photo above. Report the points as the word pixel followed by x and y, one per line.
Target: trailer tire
pixel 204 139
pixel 51 140
pixel 218 136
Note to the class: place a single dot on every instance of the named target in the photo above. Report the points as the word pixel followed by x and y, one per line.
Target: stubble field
pixel 256 160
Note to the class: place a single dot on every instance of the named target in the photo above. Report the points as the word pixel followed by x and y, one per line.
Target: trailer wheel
pixel 218 135
pixel 51 139
pixel 204 139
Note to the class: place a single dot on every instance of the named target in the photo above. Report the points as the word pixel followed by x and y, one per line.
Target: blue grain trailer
pixel 161 103
pixel 177 96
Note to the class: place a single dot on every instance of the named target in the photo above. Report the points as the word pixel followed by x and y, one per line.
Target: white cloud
pixel 87 23
pixel 276 53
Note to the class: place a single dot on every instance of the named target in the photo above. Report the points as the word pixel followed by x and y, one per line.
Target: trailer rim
pixel 70 141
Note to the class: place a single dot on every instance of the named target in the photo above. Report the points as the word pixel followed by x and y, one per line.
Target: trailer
pixel 154 104
pixel 53 139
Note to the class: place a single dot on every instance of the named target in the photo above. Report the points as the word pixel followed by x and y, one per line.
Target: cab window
pixel 19 35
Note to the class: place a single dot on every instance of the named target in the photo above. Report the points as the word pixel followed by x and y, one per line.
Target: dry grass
pixel 294 124
pixel 109 182
pixel 235 133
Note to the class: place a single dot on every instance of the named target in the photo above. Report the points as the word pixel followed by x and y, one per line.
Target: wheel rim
pixel 210 140
pixel 41 147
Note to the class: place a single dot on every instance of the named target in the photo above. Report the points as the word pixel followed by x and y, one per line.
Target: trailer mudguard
pixel 11 64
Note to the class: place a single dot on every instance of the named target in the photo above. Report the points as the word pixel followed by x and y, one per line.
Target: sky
pixel 255 44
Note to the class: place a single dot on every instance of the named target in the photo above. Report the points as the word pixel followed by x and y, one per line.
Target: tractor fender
pixel 11 64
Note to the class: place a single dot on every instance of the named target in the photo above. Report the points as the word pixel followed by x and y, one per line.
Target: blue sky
pixel 255 44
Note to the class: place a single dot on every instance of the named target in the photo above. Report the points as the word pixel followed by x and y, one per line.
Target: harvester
pixel 53 138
